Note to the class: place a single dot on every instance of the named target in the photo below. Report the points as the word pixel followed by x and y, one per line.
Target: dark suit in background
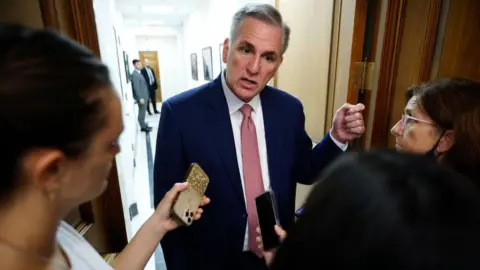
pixel 152 84
pixel 195 126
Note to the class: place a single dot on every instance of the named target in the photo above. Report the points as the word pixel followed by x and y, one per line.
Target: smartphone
pixel 189 200
pixel 267 218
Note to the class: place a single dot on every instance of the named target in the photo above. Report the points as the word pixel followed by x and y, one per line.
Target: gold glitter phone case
pixel 189 200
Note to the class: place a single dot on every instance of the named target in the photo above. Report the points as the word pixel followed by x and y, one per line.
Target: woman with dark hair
pixel 442 119
pixel 386 210
pixel 60 120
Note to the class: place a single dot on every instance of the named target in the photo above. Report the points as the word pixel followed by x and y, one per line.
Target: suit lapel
pixel 220 130
pixel 272 124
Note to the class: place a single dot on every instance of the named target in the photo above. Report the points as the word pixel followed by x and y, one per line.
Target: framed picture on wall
pixel 207 63
pixel 119 61
pixel 193 65
pixel 220 54
pixel 126 64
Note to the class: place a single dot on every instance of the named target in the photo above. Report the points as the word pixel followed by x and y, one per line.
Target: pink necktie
pixel 252 174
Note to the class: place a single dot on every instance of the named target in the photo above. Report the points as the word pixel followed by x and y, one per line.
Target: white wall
pixel 107 19
pixel 172 75
pixel 209 25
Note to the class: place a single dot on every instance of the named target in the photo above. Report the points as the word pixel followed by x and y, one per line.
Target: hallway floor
pixel 143 177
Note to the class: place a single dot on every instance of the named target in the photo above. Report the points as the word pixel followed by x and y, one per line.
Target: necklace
pixel 36 256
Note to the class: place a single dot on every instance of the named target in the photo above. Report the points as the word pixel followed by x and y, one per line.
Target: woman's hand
pixel 268 255
pixel 163 211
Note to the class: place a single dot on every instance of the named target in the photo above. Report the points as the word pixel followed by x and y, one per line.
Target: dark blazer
pixel 195 127
pixel 147 79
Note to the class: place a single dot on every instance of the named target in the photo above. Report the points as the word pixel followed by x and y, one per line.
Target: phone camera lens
pixel 191 214
pixel 189 220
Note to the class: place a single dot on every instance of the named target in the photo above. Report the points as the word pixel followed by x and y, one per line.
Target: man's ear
pixel 44 169
pixel 226 44
pixel 446 142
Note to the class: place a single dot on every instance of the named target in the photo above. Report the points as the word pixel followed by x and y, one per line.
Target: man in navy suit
pixel 248 137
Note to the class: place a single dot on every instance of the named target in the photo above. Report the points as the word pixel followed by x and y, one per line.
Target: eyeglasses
pixel 408 121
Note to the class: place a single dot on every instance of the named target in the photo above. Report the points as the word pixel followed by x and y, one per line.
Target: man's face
pixel 147 63
pixel 253 58
pixel 138 65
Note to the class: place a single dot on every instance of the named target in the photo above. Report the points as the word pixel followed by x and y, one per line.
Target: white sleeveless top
pixel 81 254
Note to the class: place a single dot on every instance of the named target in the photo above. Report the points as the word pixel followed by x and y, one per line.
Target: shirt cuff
pixel 340 145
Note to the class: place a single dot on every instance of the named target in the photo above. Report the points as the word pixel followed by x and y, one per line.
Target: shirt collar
pixel 233 102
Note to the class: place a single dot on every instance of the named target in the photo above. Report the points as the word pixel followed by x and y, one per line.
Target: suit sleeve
pixel 170 168
pixel 311 162
pixel 135 87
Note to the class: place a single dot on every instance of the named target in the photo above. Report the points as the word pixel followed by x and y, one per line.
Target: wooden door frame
pixel 389 63
pixel 362 7
pixel 76 19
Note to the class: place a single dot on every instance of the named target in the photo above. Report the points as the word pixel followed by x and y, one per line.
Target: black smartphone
pixel 267 219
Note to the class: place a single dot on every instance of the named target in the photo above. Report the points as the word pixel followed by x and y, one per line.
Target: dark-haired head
pixel 60 117
pixel 137 64
pixel 443 116
pixel 386 210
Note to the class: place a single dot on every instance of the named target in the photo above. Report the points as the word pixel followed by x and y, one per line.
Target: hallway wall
pixel 110 37
pixel 209 25
pixel 172 74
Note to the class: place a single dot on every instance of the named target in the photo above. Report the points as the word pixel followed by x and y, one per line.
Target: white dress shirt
pixel 236 117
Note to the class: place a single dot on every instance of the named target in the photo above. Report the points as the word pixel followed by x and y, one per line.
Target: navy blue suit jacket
pixel 195 127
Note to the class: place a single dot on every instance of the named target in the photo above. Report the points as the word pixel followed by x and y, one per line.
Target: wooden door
pixel 152 57
pixel 424 40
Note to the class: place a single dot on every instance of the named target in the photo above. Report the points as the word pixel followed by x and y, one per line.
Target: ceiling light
pixel 153 22
pixel 158 9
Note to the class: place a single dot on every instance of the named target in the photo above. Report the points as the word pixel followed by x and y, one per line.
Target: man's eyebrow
pixel 250 45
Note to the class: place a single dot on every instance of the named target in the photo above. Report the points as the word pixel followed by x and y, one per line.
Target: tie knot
pixel 246 110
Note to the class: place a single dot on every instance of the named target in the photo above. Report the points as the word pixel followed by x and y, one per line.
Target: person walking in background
pixel 248 137
pixel 142 93
pixel 149 75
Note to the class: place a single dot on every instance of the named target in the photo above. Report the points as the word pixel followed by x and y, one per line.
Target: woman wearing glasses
pixel 442 120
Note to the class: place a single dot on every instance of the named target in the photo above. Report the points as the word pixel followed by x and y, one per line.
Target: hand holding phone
pixel 268 255
pixel 189 200
pixel 267 219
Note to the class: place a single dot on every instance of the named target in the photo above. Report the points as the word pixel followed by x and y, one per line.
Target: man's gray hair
pixel 265 13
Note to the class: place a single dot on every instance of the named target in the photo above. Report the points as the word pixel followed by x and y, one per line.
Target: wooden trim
pixel 109 207
pixel 358 39
pixel 428 48
pixel 85 24
pixel 83 227
pixel 49 14
pixel 109 257
pixel 388 70
pixel 73 18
